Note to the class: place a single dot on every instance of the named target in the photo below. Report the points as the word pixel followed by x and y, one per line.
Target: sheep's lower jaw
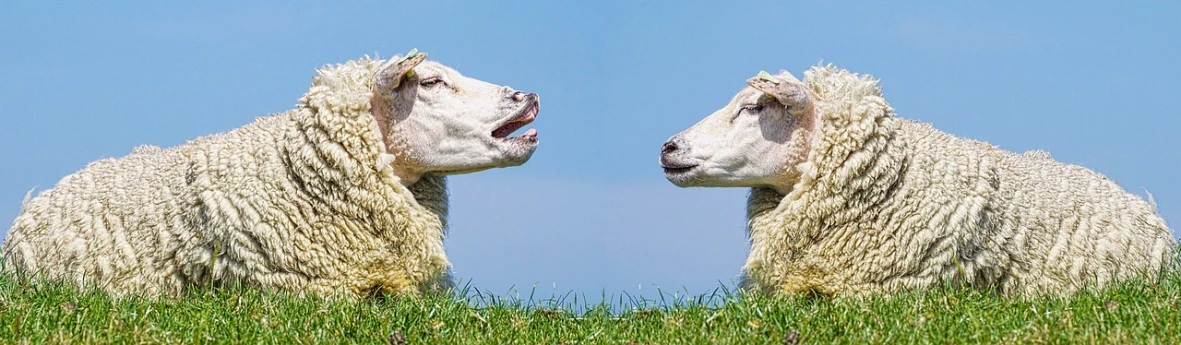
pixel 530 136
pixel 517 150
pixel 519 144
pixel 679 175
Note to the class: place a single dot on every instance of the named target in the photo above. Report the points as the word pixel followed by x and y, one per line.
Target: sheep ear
pixel 393 73
pixel 790 92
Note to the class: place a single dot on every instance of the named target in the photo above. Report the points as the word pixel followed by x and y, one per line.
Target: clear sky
pixel 1096 84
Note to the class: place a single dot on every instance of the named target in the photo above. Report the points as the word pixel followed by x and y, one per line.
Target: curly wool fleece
pixel 887 204
pixel 301 201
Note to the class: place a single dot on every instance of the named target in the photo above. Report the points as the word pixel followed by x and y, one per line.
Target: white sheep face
pixel 754 141
pixel 437 121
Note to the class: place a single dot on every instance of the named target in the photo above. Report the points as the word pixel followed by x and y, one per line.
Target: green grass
pixel 1140 313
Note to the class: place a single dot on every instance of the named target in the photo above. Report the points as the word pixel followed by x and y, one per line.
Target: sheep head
pixel 437 121
pixel 756 140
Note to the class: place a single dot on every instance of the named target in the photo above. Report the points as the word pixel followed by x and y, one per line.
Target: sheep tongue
pixel 507 129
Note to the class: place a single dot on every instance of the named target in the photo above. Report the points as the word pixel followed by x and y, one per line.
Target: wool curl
pixel 302 201
pixel 886 204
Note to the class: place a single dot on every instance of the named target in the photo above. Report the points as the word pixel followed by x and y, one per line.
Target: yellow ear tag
pixel 412 53
pixel 767 76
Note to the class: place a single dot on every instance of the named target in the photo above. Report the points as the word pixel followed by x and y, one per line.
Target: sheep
pixel 847 199
pixel 343 195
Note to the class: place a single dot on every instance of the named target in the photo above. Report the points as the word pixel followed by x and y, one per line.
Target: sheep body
pixel 887 204
pixel 302 201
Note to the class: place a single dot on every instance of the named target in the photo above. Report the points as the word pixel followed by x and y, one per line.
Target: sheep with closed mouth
pixel 848 199
pixel 343 194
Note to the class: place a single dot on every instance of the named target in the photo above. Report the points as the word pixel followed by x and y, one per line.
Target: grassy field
pixel 52 313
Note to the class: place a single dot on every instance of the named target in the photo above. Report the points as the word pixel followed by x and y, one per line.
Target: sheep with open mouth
pixel 343 194
pixel 848 199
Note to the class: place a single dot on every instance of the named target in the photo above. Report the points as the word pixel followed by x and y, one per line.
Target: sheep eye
pixel 429 82
pixel 752 109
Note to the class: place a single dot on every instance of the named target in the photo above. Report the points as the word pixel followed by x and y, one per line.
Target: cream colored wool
pixel 886 204
pixel 301 201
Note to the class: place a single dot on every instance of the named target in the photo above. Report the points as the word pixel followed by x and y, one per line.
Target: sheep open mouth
pixel 515 123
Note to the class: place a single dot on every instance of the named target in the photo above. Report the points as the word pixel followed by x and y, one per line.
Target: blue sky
pixel 1093 83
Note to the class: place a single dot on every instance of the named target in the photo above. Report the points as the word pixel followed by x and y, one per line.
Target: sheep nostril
pixel 668 147
pixel 519 96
